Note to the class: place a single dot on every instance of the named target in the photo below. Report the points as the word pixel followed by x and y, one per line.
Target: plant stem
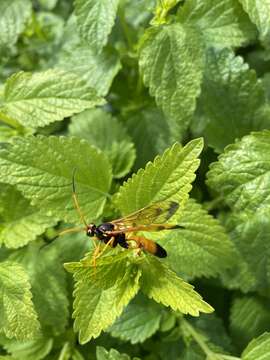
pixel 211 355
pixel 10 122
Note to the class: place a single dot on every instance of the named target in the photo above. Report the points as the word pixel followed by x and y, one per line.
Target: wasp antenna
pixel 70 230
pixel 75 200
pixel 73 180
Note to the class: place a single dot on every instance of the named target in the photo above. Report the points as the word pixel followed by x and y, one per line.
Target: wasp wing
pixel 156 213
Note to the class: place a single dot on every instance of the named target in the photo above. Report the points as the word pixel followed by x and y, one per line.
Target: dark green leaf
pixel 232 99
pixel 171 60
pixel 242 173
pixel 140 320
pixel 105 132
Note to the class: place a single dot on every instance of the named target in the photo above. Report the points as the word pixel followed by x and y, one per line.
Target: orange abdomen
pixel 150 246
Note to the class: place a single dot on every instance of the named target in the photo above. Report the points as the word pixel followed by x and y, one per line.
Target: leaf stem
pixel 197 337
pixel 11 122
pixel 211 355
pixel 229 357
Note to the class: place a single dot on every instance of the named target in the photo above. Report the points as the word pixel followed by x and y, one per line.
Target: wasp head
pixel 91 230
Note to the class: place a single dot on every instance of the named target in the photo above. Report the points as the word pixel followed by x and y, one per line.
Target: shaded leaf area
pixel 138 14
pixel 13 17
pixel 202 248
pixel 95 20
pixel 105 132
pixel 47 181
pixel 249 317
pixel 258 349
pixel 112 354
pixel 29 350
pixel 96 69
pixel 258 12
pixel 139 320
pixel 168 177
pixel 18 317
pixel 250 235
pixel 174 84
pixel 205 337
pixel 232 102
pixel 20 222
pixel 150 133
pixel 41 98
pixel 222 23
pixel 44 265
pixel 242 173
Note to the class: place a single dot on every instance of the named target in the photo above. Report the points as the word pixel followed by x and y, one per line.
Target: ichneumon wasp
pixel 123 231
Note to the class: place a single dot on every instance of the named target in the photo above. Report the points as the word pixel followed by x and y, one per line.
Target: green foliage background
pixel 150 101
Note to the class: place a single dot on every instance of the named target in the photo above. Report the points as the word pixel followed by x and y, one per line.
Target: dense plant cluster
pixel 146 101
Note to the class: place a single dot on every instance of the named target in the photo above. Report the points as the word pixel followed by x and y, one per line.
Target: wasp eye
pixel 91 230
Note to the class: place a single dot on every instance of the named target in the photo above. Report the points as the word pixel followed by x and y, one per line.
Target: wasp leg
pixel 95 256
pixel 94 242
pixel 109 243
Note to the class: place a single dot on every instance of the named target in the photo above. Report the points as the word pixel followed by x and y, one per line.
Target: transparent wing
pixel 156 213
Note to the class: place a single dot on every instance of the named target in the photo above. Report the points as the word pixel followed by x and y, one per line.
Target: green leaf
pixel 41 168
pixel 20 222
pixel 13 16
pixel 249 317
pixel 29 350
pixel 45 266
pixel 213 328
pixel 258 12
pixel 250 236
pixel 6 132
pixel 103 354
pixel 95 20
pixel 17 315
pixel 41 98
pixel 168 177
pixel 258 349
pixel 138 13
pixel 48 4
pixel 164 286
pixel 101 293
pixel 231 99
pixel 171 61
pixel 140 320
pixel 97 70
pixel 150 132
pixel 105 132
pixel 222 23
pixel 242 173
pixel 240 276
pixel 202 248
